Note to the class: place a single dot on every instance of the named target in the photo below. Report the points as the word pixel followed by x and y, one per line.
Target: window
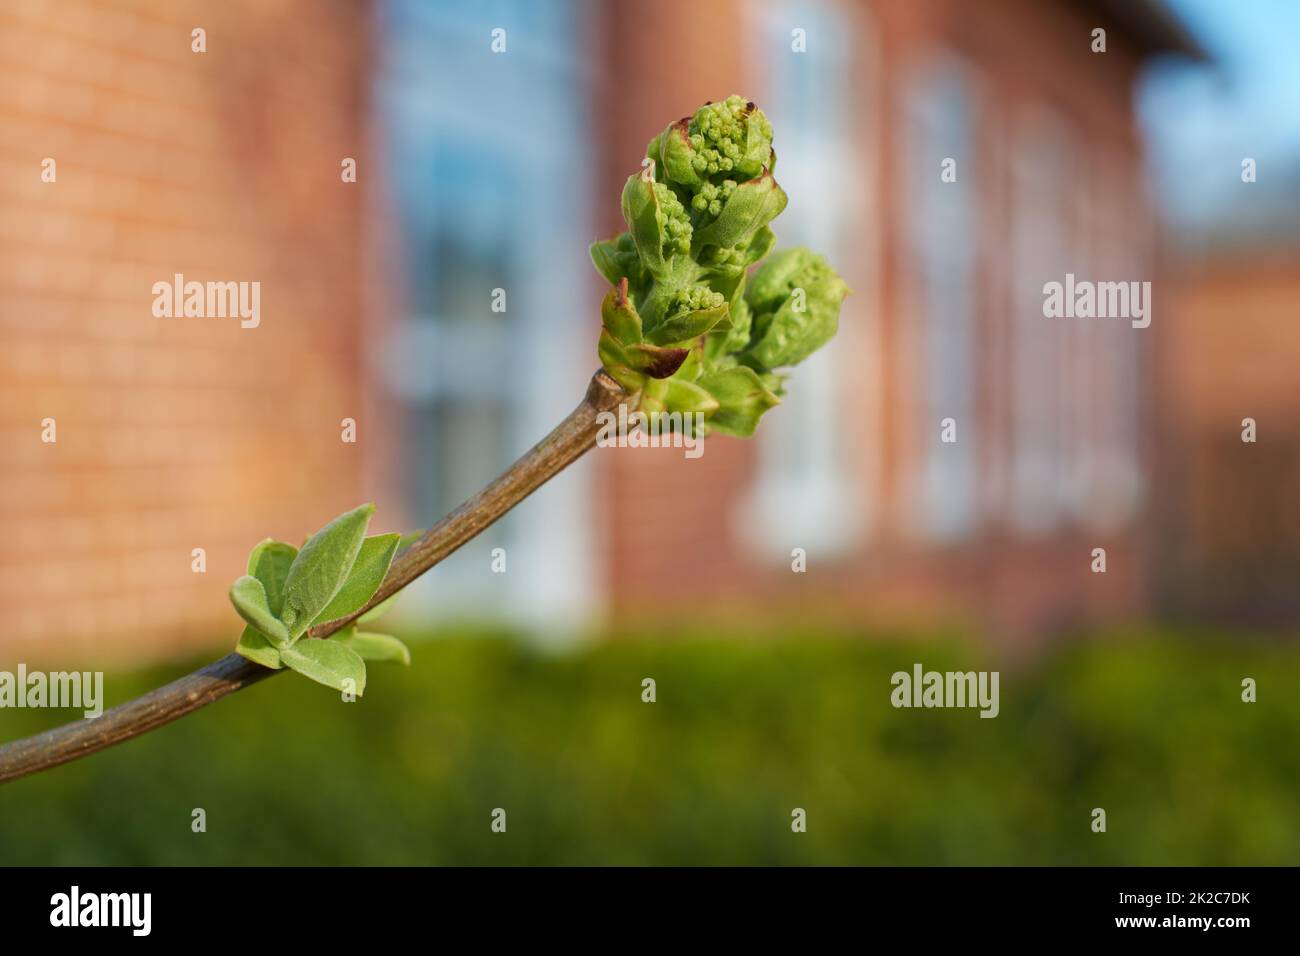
pixel 805 493
pixel 1122 255
pixel 486 197
pixel 939 236
pixel 1041 253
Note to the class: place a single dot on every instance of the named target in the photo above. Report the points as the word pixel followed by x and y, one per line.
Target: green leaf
pixel 604 256
pixel 688 398
pixel 654 392
pixel 796 298
pixel 255 645
pixel 687 324
pixel 645 220
pixel 249 597
pixel 617 259
pixel 759 246
pixel 721 343
pixel 374 647
pixel 380 609
pixel 752 206
pixel 677 154
pixel 617 363
pixel 613 262
pixel 363 580
pixel 321 567
pixel 269 562
pixel 619 315
pixel 327 662
pixel 742 399
pixel 409 539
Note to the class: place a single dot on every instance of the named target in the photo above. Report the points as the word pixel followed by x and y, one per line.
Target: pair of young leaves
pixel 286 591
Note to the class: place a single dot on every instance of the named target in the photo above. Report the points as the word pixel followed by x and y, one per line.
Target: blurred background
pixel 490 141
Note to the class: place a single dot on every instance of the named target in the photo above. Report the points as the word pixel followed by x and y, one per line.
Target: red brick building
pixel 1229 520
pixel 1052 417
pixel 487 162
pixel 172 434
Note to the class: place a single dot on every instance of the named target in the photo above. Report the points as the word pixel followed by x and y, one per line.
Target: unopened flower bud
pixel 657 220
pixel 795 299
pixel 749 207
pixel 690 314
pixel 680 329
pixel 619 316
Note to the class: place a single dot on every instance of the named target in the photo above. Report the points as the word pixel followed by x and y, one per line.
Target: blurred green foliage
pixel 1150 728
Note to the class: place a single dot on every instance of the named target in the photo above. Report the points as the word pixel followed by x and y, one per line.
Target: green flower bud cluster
pixel 677 225
pixel 731 135
pixel 795 301
pixel 712 198
pixel 684 328
pixel 697 297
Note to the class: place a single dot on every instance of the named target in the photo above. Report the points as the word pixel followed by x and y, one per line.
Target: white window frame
pixel 550 539
pixel 941 285
pixel 1117 484
pixel 1041 252
pixel 808 490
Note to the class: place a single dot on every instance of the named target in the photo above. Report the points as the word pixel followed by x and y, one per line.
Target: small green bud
pixel 748 208
pixel 674 151
pixel 731 136
pixel 657 220
pixel 645 221
pixel 707 155
pixel 677 225
pixel 691 313
pixel 619 316
pixel 795 299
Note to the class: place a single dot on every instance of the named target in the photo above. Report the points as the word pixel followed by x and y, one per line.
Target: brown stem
pixel 572 438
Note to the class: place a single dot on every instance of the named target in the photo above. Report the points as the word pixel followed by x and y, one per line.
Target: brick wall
pixel 1230 516
pixel 172 433
pixel 682 548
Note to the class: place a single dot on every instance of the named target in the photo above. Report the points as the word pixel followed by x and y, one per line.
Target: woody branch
pixel 570 440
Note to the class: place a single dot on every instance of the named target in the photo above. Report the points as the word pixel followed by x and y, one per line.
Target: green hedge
pixel 1151 729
